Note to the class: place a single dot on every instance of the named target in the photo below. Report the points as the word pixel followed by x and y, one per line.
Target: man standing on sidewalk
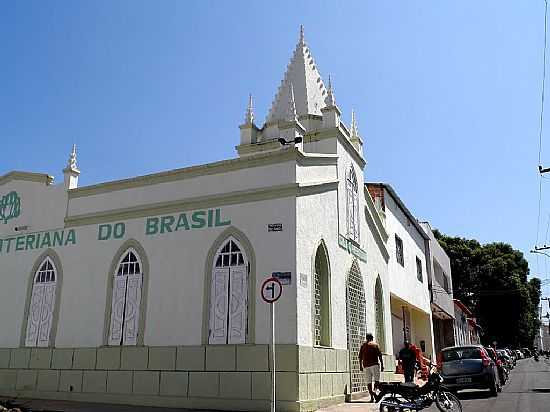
pixel 408 360
pixel 369 355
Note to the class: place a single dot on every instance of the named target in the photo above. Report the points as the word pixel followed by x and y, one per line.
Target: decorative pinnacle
pixel 330 100
pixel 291 109
pixel 302 38
pixel 71 164
pixel 249 116
pixel 354 130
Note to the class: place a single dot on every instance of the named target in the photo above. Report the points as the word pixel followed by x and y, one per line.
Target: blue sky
pixel 447 94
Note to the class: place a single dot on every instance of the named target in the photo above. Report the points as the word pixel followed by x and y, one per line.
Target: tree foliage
pixel 492 280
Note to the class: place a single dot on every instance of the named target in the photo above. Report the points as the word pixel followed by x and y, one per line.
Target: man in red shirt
pixel 369 355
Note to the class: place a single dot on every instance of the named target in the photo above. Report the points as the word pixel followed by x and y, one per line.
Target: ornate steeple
pixel 71 164
pixel 249 116
pixel 308 87
pixel 71 172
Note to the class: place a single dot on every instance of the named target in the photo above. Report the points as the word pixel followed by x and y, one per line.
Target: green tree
pixel 492 280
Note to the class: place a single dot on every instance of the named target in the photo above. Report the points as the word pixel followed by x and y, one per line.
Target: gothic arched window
pixel 352 201
pixel 125 309
pixel 229 295
pixel 40 318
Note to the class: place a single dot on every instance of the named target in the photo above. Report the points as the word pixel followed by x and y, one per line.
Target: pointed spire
pixel 309 90
pixel 249 116
pixel 354 132
pixel 330 100
pixel 71 164
pixel 291 107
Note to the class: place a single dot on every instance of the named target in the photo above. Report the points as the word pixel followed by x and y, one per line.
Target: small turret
pixel 71 172
pixel 355 138
pixel 249 131
pixel 331 112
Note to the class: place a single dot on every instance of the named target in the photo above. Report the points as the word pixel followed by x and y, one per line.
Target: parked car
pixel 519 354
pixel 505 358
pixel 526 352
pixel 469 367
pixel 502 373
pixel 513 355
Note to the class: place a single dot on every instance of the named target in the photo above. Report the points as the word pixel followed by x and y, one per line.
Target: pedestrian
pixel 370 360
pixel 408 360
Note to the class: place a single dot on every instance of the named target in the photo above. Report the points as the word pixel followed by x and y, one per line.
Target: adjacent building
pixel 466 329
pixel 441 292
pixel 408 244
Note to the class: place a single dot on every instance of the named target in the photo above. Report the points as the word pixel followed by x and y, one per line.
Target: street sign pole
pixel 272 305
pixel 271 292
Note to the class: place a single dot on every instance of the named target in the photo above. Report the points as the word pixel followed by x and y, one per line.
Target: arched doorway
pixel 126 299
pixel 356 325
pixel 321 297
pixel 41 308
pixel 229 295
pixel 379 309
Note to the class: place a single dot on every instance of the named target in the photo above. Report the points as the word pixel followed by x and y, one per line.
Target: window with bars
pixel 230 255
pixel 46 273
pixel 352 201
pixel 419 269
pixel 399 251
pixel 129 265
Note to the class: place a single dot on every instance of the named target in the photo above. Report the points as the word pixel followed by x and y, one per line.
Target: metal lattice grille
pixel 356 320
pixel 317 308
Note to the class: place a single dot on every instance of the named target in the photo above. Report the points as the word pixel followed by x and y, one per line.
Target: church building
pixel 146 291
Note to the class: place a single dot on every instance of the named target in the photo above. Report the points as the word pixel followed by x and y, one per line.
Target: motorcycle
pixel 536 356
pixel 397 397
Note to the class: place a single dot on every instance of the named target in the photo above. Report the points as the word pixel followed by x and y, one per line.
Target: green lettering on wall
pixel 182 222
pixel 71 237
pixel 210 217
pixel 166 223
pixel 119 230
pixel 104 232
pixel 58 238
pixel 9 244
pixel 152 226
pixel 20 243
pixel 46 241
pixel 30 242
pixel 198 219
pixel 219 221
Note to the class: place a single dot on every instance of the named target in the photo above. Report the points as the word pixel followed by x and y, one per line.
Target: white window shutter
pixel 35 309
pixel 131 313
pixel 219 306
pixel 117 310
pixel 238 298
pixel 46 315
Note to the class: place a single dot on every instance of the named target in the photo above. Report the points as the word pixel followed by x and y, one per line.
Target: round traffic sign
pixel 271 290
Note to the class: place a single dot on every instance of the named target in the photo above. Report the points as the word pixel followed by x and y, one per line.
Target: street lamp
pixel 284 142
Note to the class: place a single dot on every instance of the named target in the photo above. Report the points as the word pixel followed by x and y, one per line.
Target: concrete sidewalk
pixel 357 405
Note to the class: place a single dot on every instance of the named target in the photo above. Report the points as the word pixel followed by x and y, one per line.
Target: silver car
pixel 469 367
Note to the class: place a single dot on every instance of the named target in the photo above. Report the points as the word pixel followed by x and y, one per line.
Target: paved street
pixel 519 394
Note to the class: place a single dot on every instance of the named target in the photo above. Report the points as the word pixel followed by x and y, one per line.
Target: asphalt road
pixel 520 394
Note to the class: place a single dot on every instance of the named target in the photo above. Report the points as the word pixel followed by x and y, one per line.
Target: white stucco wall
pixel 403 279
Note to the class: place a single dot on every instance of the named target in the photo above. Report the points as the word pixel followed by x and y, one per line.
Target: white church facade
pixel 146 290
